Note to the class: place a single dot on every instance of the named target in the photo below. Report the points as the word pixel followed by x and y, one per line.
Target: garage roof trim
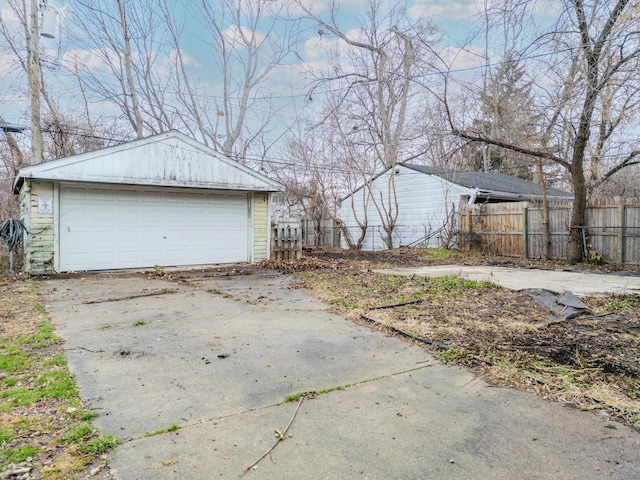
pixel 167 159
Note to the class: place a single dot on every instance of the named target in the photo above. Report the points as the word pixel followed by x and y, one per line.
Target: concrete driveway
pixel 580 283
pixel 217 356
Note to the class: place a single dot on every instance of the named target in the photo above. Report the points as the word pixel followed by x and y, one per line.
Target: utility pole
pixel 34 86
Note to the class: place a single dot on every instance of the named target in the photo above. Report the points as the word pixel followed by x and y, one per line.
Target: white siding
pixel 423 202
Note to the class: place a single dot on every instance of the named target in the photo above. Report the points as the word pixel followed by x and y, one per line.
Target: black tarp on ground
pixel 562 306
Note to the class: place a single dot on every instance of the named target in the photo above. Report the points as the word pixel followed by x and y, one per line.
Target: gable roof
pixel 491 184
pixel 167 159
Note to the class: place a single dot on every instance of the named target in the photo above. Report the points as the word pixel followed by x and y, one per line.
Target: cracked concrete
pixel 220 364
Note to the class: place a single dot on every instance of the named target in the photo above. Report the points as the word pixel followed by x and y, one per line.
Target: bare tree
pixel 375 111
pixel 249 42
pixel 321 173
pixel 124 38
pixel 144 70
pixel 12 159
pixel 583 82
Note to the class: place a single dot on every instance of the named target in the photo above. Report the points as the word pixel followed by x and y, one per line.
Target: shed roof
pixel 169 159
pixel 491 183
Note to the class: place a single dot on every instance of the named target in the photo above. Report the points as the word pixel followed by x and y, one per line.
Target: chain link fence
pixel 376 237
pixel 611 244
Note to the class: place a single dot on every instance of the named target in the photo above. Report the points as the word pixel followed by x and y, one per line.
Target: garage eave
pixel 150 183
pixel 169 159
pixel 513 197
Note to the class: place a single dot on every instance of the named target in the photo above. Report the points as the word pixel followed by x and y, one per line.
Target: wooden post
pixel 33 74
pixel 525 233
pixel 621 231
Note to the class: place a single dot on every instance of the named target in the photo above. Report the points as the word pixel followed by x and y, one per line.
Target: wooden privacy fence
pixel 286 240
pixel 611 233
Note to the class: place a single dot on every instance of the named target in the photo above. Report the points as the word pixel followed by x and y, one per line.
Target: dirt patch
pixel 592 361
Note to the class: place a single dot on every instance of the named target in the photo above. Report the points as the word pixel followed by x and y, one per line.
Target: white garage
pixel 103 228
pixel 165 200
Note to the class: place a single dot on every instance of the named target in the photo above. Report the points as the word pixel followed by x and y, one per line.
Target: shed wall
pixel 423 204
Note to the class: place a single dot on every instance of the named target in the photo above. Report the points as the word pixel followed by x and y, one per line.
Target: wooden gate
pixel 286 240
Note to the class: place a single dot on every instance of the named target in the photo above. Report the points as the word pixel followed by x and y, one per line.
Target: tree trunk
pixel 388 238
pixel 575 253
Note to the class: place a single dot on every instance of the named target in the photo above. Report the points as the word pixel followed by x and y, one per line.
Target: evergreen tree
pixel 508 115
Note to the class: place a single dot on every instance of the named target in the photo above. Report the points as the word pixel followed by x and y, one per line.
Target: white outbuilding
pixel 422 203
pixel 164 200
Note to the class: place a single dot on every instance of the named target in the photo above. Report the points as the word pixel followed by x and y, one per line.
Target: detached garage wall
pixel 106 227
pixel 261 226
pixel 37 207
pixel 40 204
pixel 162 200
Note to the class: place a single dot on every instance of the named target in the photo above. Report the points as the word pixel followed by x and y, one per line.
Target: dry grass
pixel 591 363
pixel 20 309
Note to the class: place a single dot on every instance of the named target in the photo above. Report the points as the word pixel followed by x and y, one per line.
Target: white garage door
pixel 108 228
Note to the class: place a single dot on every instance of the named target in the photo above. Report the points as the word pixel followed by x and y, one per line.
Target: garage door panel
pixel 127 236
pixel 103 228
pixel 100 196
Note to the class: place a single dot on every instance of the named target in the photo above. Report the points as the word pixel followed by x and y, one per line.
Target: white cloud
pixel 8 14
pixel 90 59
pixel 444 9
pixel 317 47
pixel 187 59
pixel 546 8
pixel 239 36
pixel 320 50
pixel 322 46
pixel 296 8
pixel 8 64
pixel 467 58
pixel 316 7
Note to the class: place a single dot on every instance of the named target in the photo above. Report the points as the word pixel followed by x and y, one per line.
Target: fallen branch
pixel 402 333
pixel 280 435
pixel 92 351
pixel 129 297
pixel 382 307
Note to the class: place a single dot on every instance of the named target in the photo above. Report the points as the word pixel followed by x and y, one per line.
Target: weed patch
pixel 88 416
pixel 100 445
pixel 78 433
pixel 14 362
pixel 453 355
pixel 160 431
pixel 16 455
pixel 624 302
pixel 6 435
pixel 39 403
